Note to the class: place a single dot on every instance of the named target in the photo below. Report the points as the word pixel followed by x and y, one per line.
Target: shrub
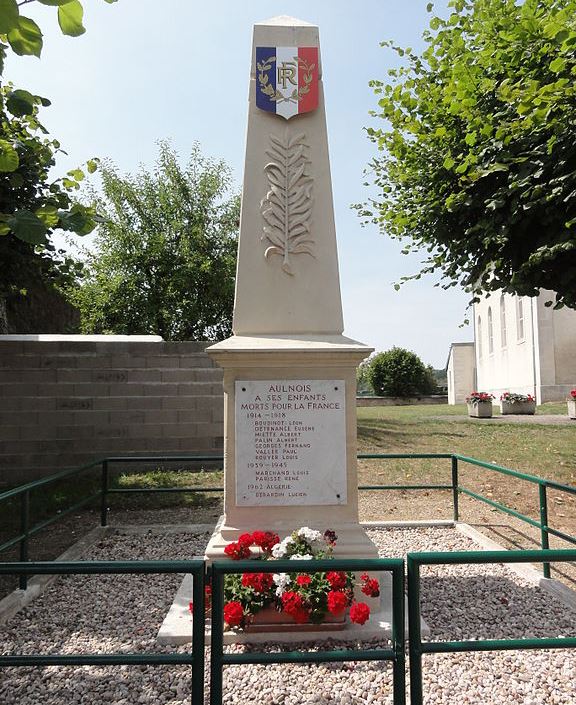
pixel 400 373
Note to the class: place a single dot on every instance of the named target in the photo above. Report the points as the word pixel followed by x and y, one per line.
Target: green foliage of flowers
pixel 476 163
pixel 475 398
pixel 516 398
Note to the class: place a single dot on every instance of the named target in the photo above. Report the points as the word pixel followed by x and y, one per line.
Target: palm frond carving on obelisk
pixel 287 208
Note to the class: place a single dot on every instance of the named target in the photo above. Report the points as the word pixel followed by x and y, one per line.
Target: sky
pixel 179 70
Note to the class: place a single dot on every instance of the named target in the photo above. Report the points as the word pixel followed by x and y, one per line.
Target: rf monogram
pixel 286 72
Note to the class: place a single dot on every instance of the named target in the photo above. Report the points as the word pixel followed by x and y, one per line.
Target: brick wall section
pixel 65 403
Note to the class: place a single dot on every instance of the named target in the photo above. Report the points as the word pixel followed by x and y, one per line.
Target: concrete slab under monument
pixel 176 628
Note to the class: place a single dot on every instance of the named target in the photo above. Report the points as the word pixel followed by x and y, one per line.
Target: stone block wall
pixel 64 403
pixel 401 401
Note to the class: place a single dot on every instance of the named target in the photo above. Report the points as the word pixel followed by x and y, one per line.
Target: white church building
pixel 520 345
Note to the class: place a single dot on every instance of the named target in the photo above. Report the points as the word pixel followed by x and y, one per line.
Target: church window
pixel 519 319
pixel 503 332
pixel 479 337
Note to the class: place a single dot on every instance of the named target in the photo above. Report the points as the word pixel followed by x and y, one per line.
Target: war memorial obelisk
pixel 289 373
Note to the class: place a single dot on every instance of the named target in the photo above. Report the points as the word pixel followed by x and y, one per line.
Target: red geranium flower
pixel 337 602
pixel 370 587
pixel 359 612
pixel 191 607
pixel 266 540
pixel 303 580
pixel 233 613
pixel 237 551
pixel 301 615
pixel 245 540
pixel 291 602
pixel 337 580
pixel 261 582
pixel 330 537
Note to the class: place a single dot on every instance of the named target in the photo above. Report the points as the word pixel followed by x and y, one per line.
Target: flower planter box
pixel 270 619
pixel 519 407
pixel 481 410
pixel 572 408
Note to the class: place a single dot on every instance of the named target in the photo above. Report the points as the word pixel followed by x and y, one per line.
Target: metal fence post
pixel 398 636
pixel 217 637
pixel 104 495
pixel 24 527
pixel 544 525
pixel 455 487
pixel 414 632
pixel 198 627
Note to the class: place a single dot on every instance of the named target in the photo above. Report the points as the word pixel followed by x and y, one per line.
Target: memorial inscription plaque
pixel 290 442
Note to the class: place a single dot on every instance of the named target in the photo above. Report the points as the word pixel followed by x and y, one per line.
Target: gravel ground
pixel 89 614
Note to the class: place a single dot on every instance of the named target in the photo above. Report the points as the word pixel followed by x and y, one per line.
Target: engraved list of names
pixel 290 442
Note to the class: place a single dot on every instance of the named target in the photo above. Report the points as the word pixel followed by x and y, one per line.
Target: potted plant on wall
pixel 572 404
pixel 512 403
pixel 480 405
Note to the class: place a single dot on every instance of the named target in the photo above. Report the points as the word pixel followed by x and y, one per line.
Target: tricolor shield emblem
pixel 287 80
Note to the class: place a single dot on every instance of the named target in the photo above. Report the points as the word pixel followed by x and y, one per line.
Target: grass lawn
pixel 548 451
pixel 545 450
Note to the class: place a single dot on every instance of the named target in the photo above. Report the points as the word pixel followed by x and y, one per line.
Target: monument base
pixel 353 542
pixel 176 628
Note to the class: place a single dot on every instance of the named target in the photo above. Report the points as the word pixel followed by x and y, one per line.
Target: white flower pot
pixel 481 410
pixel 519 407
pixel 572 408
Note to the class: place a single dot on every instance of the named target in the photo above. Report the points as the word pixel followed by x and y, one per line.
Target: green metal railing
pixel 396 653
pixel 417 648
pixel 455 487
pixel 24 568
pixel 23 494
pixel 195 658
pixel 543 484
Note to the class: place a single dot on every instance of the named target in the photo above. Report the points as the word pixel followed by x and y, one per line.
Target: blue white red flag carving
pixel 287 80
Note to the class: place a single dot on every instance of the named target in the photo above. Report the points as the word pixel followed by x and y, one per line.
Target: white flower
pixel 281 580
pixel 301 557
pixel 308 534
pixel 279 550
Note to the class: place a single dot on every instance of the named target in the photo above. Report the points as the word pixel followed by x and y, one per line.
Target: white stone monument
pixel 289 373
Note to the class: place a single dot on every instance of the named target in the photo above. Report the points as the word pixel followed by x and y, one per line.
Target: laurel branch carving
pixel 276 95
pixel 287 208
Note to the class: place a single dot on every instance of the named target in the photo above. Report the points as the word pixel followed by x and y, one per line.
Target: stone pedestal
pixel 291 486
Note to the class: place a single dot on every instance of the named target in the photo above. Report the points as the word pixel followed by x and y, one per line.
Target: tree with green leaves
pixel 165 255
pixel 477 162
pixel 32 204
pixel 399 373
